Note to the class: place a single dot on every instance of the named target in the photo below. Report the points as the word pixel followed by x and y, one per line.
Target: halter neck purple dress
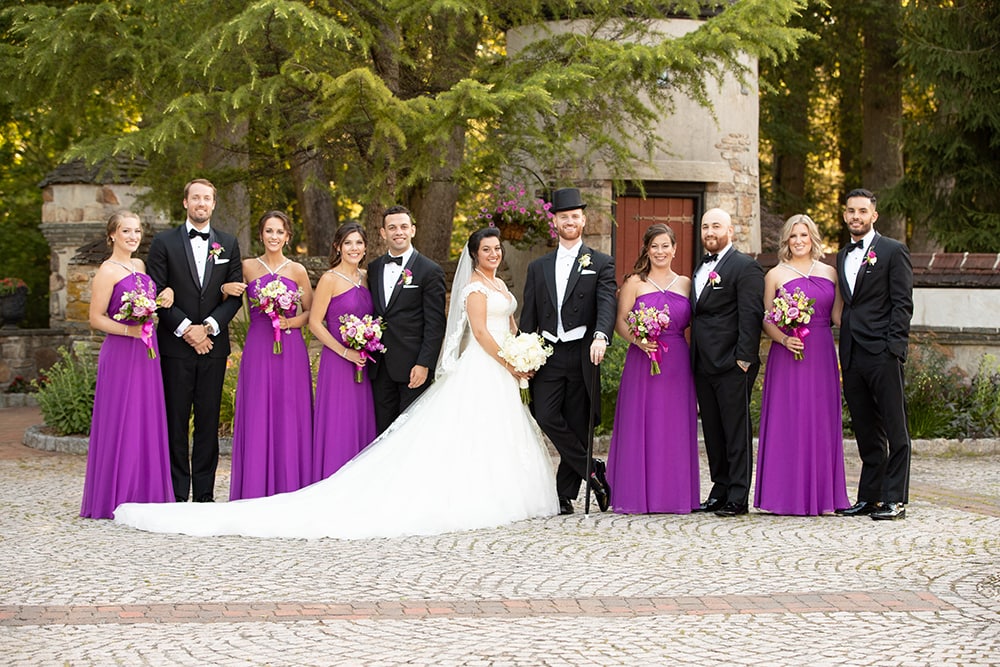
pixel 800 460
pixel 272 427
pixel 653 459
pixel 344 421
pixel 128 457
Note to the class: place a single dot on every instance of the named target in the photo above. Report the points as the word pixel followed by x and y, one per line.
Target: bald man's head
pixel 716 230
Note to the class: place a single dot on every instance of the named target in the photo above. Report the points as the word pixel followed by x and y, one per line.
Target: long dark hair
pixel 476 239
pixel 342 233
pixel 642 264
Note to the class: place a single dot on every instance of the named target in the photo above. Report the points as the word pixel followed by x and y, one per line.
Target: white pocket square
pixel 221 261
pixel 588 272
pixel 410 286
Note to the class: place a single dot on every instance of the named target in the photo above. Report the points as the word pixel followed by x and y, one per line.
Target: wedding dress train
pixel 466 455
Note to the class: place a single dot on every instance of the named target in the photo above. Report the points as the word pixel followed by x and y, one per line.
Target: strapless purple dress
pixel 128 458
pixel 272 427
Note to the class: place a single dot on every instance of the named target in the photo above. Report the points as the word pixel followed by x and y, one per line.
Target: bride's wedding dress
pixel 466 455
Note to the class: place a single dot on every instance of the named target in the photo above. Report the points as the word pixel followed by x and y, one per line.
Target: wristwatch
pixel 600 334
pixel 209 328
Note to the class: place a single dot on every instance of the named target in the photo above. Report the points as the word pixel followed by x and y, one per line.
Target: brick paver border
pixel 230 612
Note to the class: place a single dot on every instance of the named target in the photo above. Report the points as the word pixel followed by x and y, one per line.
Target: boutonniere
pixel 871 258
pixel 406 277
pixel 216 250
pixel 583 262
pixel 714 279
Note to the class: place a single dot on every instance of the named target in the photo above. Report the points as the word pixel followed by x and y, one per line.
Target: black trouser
pixel 873 387
pixel 391 398
pixel 724 405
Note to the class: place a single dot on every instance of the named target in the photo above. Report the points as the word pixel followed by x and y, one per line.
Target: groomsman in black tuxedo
pixel 408 292
pixel 728 312
pixel 876 284
pixel 569 298
pixel 195 259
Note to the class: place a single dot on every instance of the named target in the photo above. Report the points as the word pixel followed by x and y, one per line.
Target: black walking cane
pixel 594 384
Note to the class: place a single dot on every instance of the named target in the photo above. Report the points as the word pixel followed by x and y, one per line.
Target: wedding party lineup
pixel 433 407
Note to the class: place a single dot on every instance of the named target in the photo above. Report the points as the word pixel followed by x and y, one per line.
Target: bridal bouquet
pixel 363 334
pixel 646 323
pixel 792 312
pixel 139 306
pixel 526 352
pixel 276 299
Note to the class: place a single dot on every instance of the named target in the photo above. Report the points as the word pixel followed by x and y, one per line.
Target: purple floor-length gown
pixel 800 461
pixel 128 458
pixel 344 421
pixel 272 425
pixel 653 460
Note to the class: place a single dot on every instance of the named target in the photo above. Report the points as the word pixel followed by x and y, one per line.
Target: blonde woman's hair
pixel 784 252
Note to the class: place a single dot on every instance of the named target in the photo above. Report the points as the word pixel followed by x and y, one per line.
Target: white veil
pixel 455 330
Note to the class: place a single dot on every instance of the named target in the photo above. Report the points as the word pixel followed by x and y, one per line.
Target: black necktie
pixel 709 258
pixel 194 232
pixel 859 245
pixel 394 260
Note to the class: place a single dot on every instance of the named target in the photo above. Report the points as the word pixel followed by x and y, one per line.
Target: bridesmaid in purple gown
pixel 653 460
pixel 800 461
pixel 344 421
pixel 128 457
pixel 272 425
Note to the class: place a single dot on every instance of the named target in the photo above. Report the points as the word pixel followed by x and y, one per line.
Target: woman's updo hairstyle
pixel 476 239
pixel 115 221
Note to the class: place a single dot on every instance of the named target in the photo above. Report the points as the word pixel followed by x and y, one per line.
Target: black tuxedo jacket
pixel 877 314
pixel 727 318
pixel 414 317
pixel 589 300
pixel 171 264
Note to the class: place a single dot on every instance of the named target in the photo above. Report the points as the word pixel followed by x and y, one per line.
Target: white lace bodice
pixel 499 308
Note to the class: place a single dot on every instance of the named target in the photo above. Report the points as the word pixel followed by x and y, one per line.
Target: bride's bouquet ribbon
pixel 363 334
pixel 646 323
pixel 525 352
pixel 791 312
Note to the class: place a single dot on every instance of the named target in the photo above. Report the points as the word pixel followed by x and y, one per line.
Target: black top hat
pixel 567 199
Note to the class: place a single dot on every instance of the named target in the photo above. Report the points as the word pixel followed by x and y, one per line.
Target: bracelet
pixel 783 341
pixel 126 330
pixel 222 289
pixel 344 353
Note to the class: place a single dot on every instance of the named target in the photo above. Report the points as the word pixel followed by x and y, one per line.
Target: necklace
pixel 356 283
pixel 124 266
pixel 804 275
pixel 662 289
pixel 275 271
pixel 490 281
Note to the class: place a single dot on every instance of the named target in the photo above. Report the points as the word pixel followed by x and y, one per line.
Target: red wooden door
pixel 634 215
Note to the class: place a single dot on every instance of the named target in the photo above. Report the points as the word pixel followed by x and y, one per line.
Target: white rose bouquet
pixel 526 352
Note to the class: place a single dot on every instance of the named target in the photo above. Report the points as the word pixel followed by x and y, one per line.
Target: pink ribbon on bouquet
pixel 800 333
pixel 146 335
pixel 654 358
pixel 358 377
pixel 276 325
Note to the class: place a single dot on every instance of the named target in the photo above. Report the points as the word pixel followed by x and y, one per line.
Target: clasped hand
pixel 234 289
pixel 197 337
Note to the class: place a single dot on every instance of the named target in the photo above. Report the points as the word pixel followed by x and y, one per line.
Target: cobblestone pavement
pixel 603 590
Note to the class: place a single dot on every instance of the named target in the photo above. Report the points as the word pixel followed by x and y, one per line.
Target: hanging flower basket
pixel 522 220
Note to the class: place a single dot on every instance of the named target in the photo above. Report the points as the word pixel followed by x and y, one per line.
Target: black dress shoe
pixel 890 512
pixel 600 471
pixel 600 493
pixel 565 506
pixel 860 508
pixel 207 498
pixel 710 505
pixel 731 509
pixel 180 499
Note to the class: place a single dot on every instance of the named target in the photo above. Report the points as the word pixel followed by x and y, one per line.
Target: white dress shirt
pixel 199 248
pixel 566 263
pixel 701 275
pixel 391 273
pixel 854 259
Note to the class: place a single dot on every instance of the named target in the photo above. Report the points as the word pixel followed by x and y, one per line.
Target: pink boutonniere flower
pixel 406 277
pixel 871 258
pixel 714 279
pixel 216 250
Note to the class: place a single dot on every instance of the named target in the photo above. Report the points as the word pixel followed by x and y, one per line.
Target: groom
pixel 569 298
pixel 408 292
pixel 195 260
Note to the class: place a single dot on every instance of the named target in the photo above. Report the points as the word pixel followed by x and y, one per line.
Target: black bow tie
pixel 194 232
pixel 709 258
pixel 394 260
pixel 858 245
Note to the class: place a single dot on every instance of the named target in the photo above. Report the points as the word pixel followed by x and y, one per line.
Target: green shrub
pixel 611 378
pixel 67 397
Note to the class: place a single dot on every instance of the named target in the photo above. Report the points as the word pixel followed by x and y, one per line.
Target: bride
pixel 467 454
